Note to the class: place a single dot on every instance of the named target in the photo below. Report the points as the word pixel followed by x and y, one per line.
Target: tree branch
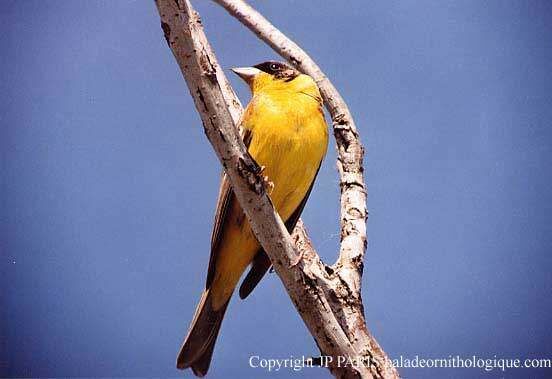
pixel 330 306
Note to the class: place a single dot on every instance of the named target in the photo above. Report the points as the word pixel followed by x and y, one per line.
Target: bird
pixel 285 132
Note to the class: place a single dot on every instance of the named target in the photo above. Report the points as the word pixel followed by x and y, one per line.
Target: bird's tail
pixel 197 349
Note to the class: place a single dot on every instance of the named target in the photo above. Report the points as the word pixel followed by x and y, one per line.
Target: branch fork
pixel 328 298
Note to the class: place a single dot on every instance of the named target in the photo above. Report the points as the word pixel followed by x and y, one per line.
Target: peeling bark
pixel 328 298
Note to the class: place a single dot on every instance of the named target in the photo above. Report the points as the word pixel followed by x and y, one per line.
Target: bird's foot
pixel 268 184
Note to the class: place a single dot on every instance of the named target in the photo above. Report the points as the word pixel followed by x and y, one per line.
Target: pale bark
pixel 327 298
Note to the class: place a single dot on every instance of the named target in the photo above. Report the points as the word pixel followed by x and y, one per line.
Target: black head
pixel 278 69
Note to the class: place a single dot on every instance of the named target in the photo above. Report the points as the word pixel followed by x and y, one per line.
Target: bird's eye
pixel 273 66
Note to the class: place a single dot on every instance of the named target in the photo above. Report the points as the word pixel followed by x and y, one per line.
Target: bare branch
pixel 307 281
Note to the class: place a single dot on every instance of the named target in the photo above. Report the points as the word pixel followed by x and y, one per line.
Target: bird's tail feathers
pixel 197 349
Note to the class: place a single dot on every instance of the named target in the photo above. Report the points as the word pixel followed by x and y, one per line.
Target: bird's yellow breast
pixel 289 138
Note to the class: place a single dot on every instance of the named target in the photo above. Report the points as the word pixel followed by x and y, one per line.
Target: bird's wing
pixel 261 263
pixel 225 200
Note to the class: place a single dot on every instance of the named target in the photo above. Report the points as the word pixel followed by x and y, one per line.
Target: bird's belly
pixel 290 162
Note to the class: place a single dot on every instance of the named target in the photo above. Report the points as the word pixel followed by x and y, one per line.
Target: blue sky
pixel 109 184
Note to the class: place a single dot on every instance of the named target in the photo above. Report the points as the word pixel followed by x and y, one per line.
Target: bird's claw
pixel 269 185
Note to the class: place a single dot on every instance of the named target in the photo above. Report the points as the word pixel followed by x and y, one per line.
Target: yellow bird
pixel 285 132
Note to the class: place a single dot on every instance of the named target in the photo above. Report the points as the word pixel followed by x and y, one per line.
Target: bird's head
pixel 269 74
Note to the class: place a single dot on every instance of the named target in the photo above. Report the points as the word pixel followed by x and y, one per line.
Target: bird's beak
pixel 246 73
